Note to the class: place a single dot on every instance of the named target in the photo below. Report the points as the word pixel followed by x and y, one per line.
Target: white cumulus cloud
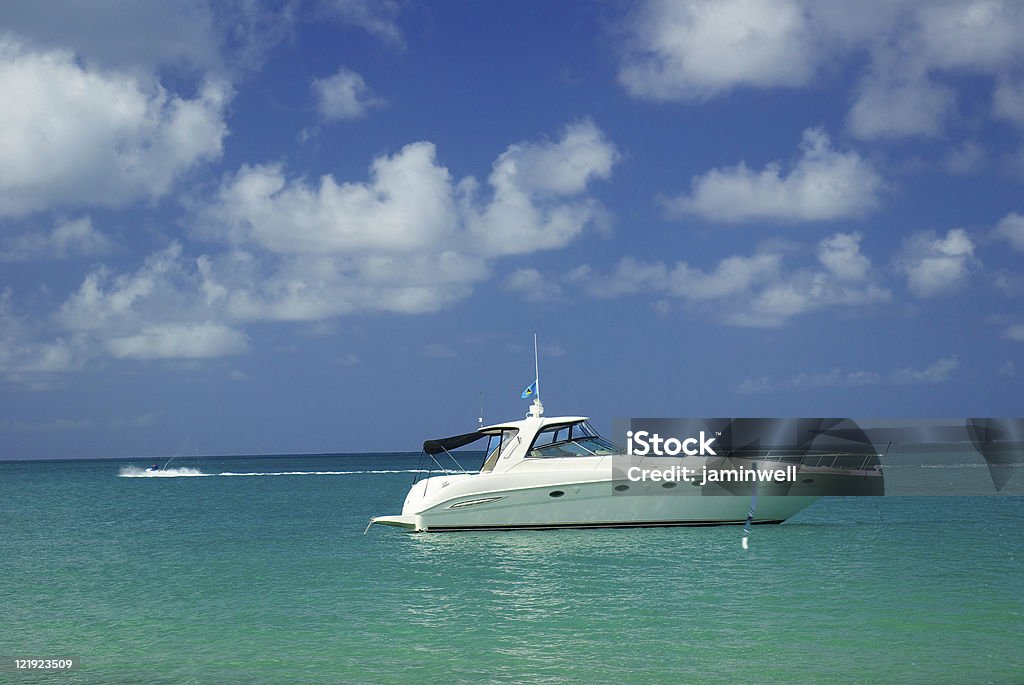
pixel 411 202
pixel 532 285
pixel 159 311
pixel 759 290
pixel 535 201
pixel 179 341
pixel 909 56
pixel 733 276
pixel 1011 229
pixel 310 288
pixel 824 184
pixel 840 253
pixel 894 105
pixel 344 95
pixel 74 135
pixel 937 265
pixel 406 205
pixel 695 50
pixel 629 277
pixel 409 239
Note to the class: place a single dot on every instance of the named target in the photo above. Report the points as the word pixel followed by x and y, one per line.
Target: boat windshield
pixel 497 445
pixel 571 440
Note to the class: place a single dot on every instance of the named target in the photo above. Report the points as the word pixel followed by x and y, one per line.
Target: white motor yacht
pixel 557 472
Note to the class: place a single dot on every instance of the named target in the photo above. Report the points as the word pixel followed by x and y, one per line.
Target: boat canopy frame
pixel 454 442
pixel 432 448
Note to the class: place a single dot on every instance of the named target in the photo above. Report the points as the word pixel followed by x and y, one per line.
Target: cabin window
pixel 571 440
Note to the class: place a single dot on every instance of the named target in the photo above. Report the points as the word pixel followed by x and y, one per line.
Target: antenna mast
pixel 536 365
pixel 537 409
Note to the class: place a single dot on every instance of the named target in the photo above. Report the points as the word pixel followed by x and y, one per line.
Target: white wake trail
pixel 135 472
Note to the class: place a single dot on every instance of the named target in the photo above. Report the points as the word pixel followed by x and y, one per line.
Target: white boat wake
pixel 136 472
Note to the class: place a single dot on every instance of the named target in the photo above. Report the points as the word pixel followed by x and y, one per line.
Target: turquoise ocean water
pixel 269 579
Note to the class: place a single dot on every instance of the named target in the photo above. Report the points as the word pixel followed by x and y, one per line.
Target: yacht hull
pixel 556 472
pixel 499 502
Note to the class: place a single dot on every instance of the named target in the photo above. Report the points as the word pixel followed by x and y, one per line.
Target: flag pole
pixel 536 365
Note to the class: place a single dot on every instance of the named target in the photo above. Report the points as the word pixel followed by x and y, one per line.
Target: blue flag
pixel 530 391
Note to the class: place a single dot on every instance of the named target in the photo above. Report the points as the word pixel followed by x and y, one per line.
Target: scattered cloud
pixel 629 277
pixel 733 276
pixel 965 158
pixel 1008 370
pixel 378 17
pixel 1014 332
pixel 893 104
pixel 20 357
pixel 344 95
pixel 532 286
pixel 225 38
pixel 21 351
pixel 411 203
pixel 823 184
pixel 75 238
pixel 937 266
pixel 759 290
pixel 308 134
pixel 662 308
pixel 410 239
pixel 311 288
pixel 841 255
pixel 1011 229
pixel 1008 102
pixel 407 205
pixel 63 143
pixel 179 341
pixel 108 302
pixel 535 203
pixel 160 311
pixel 939 371
pixel 1008 283
pixel 106 34
pixel 698 49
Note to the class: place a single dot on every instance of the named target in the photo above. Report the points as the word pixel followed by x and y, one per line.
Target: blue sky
pixel 335 225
